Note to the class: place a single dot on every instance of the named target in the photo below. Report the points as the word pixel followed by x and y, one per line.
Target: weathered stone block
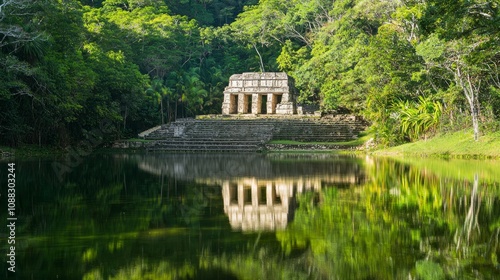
pixel 250 76
pixel 277 86
pixel 242 103
pixel 271 103
pixel 234 90
pixel 285 108
pixel 266 83
pixel 256 103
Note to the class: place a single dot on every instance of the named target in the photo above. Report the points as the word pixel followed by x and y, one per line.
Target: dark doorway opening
pixel 278 99
pixel 234 101
pixel 249 103
pixel 247 195
pixel 262 195
pixel 263 106
pixel 233 193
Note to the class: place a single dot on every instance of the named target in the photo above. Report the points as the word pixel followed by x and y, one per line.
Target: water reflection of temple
pixel 258 192
pixel 254 204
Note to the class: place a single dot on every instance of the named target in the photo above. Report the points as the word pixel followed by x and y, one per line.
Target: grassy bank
pixel 452 145
pixel 352 143
pixel 355 142
pixel 458 169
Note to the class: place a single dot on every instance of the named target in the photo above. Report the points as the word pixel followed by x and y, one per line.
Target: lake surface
pixel 254 216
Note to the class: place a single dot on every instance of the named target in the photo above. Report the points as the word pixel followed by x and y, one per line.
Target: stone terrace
pixel 248 134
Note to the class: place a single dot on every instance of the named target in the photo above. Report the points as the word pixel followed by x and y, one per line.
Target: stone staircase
pixel 249 134
pixel 149 131
pixel 318 130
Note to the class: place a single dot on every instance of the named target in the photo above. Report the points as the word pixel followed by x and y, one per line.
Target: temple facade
pixel 254 204
pixel 259 93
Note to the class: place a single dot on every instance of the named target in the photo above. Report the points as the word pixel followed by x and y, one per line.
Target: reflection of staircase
pixel 207 145
pixel 248 135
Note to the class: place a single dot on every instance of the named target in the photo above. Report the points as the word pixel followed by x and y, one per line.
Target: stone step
pixel 207 147
pixel 250 134
pixel 207 140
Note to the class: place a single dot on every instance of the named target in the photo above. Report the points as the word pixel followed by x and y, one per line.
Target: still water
pixel 253 216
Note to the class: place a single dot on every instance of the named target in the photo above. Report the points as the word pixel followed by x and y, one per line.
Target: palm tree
pixel 159 90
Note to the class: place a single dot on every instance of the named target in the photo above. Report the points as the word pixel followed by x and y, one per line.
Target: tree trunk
pixel 475 122
pixel 472 96
pixel 168 111
pixel 161 107
pixel 260 59
pixel 175 113
pixel 125 115
pixel 471 92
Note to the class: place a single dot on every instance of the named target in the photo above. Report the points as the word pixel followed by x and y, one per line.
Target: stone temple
pixel 260 93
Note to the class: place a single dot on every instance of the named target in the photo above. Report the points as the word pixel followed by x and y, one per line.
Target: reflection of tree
pixel 343 237
pixel 144 271
pixel 110 219
pixel 471 220
pixel 405 221
pixel 104 210
pixel 262 263
pixel 443 215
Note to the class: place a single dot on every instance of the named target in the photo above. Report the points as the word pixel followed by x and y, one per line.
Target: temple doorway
pixel 233 104
pixel 247 195
pixel 278 98
pixel 263 106
pixel 248 103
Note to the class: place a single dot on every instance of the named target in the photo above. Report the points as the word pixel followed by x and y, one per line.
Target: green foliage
pixel 428 270
pixel 364 55
pixel 431 49
pixel 66 65
pixel 418 118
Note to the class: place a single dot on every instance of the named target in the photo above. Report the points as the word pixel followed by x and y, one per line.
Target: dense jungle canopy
pixel 410 67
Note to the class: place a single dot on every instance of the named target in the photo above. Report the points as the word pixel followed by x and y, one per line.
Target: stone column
pixel 232 104
pixel 269 196
pixel 226 104
pixel 255 195
pixel 282 192
pixel 285 97
pixel 242 104
pixel 226 195
pixel 229 104
pixel 271 103
pixel 256 103
pixel 241 198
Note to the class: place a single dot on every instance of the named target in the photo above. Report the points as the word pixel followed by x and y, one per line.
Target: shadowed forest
pixel 411 68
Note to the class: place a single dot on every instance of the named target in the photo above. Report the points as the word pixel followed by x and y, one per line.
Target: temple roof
pixel 260 76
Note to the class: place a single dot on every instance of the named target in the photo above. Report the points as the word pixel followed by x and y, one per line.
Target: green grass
pixel 487 170
pixel 459 144
pixel 360 141
pixel 303 152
